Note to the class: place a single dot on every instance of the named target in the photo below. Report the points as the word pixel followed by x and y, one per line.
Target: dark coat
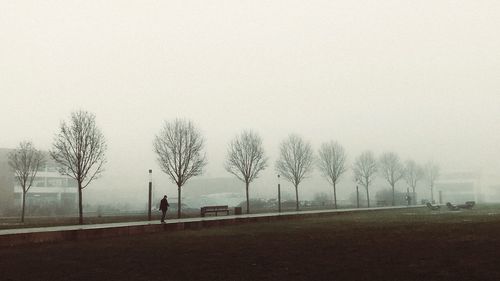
pixel 164 204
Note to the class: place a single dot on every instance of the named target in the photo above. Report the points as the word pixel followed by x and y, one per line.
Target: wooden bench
pixel 214 209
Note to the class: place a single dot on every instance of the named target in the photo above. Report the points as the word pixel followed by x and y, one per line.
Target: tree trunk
pixel 334 195
pixel 80 205
pixel 393 196
pixel 24 204
pixel 297 197
pixel 248 200
pixel 414 196
pixel 367 196
pixel 178 202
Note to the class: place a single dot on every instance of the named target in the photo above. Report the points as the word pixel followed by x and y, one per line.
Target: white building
pixel 459 187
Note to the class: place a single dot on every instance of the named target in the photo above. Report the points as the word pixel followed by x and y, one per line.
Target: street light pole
pixel 408 199
pixel 279 195
pixel 150 193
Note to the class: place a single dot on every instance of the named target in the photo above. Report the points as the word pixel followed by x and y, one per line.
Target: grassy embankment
pixel 385 245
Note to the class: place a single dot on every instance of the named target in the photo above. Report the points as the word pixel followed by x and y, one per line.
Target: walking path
pixel 172 222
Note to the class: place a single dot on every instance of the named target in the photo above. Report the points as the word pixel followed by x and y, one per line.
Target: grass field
pixel 412 244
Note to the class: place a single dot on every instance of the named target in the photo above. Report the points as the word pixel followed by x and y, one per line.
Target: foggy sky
pixel 420 78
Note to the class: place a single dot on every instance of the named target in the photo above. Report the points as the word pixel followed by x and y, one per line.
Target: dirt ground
pixel 385 245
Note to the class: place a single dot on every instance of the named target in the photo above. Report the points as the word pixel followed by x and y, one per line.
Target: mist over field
pixel 418 78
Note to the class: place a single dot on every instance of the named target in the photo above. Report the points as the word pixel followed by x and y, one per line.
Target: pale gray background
pixel 420 78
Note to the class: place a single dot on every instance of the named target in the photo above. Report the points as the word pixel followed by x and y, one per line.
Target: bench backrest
pixel 214 208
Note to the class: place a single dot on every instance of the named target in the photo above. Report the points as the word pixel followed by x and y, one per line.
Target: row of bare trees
pixel 179 150
pixel 296 161
pixel 390 167
pixel 79 150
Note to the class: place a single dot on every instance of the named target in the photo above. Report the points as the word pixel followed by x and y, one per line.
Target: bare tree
pixel 295 162
pixel 413 174
pixel 245 159
pixel 431 174
pixel 365 169
pixel 392 170
pixel 79 149
pixel 179 149
pixel 332 160
pixel 25 162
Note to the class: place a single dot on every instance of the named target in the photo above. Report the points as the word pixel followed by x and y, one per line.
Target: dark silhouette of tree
pixel 365 169
pixel 295 162
pixel 332 164
pixel 179 150
pixel 245 159
pixel 431 174
pixel 79 149
pixel 391 169
pixel 25 162
pixel 413 174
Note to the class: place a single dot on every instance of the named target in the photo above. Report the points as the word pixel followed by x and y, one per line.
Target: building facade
pixel 459 187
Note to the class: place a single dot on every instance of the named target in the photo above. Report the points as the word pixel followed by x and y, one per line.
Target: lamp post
pixel 279 195
pixel 150 193
pixel 408 199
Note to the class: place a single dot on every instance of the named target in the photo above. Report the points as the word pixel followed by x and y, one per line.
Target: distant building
pixel 459 187
pixel 50 190
pixel 6 182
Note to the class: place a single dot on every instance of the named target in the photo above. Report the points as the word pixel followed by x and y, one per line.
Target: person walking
pixel 164 207
pixel 408 200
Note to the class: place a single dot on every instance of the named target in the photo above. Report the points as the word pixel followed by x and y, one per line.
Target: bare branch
pixel 332 164
pixel 179 150
pixel 245 157
pixel 413 173
pixel 431 173
pixel 295 162
pixel 364 168
pixel 391 168
pixel 332 161
pixel 25 162
pixel 296 159
pixel 79 150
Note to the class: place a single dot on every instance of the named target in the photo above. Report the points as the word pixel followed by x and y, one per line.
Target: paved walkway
pixel 187 220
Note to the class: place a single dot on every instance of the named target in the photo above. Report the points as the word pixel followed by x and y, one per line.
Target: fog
pixel 419 78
